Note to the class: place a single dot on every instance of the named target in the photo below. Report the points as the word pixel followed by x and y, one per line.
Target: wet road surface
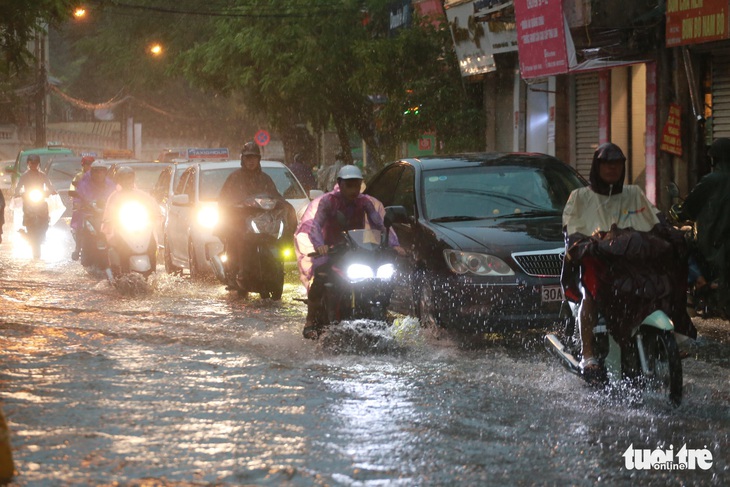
pixel 191 385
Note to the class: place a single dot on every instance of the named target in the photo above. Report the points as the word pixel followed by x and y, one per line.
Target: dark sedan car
pixel 484 237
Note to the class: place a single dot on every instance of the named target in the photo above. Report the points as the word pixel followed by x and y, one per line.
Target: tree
pixel 19 22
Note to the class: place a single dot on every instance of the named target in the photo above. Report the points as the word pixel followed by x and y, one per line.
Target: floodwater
pixel 190 385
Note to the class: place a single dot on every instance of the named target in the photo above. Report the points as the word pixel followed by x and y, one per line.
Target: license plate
pixel 551 294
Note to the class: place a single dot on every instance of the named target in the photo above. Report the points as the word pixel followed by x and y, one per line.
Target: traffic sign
pixel 262 137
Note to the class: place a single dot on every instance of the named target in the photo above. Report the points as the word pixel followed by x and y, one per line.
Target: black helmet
pixel 125 177
pixel 720 151
pixel 251 149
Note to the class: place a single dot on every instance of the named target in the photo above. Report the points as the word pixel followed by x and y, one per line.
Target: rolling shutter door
pixel 720 96
pixel 586 121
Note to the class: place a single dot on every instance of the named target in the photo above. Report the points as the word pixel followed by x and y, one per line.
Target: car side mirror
pixel 9 168
pixel 315 193
pixel 180 199
pixel 395 214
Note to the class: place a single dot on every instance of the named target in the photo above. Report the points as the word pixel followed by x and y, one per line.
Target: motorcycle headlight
pixel 133 216
pixel 35 195
pixel 208 216
pixel 385 272
pixel 359 272
pixel 475 263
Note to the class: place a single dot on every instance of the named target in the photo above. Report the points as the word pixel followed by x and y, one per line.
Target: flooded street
pixel 191 385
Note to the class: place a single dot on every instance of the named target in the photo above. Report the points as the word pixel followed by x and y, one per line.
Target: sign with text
pixel 672 134
pixel 470 40
pixel 541 38
pixel 696 21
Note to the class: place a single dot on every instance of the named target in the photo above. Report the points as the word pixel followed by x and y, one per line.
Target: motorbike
pixel 36 218
pixel 94 249
pixel 133 249
pixel 252 259
pixel 360 283
pixel 651 359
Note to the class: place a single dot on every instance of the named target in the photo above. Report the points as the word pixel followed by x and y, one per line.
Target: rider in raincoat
pixel 708 204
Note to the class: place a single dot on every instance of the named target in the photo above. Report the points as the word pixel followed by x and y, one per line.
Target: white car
pixel 189 240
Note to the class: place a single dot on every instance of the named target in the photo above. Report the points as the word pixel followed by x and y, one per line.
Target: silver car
pixel 192 215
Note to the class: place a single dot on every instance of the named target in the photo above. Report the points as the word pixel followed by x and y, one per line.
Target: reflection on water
pixel 191 383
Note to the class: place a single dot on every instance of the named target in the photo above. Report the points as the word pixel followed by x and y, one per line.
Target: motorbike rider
pixel 325 230
pixel 708 204
pixel 76 216
pixel 608 209
pixel 2 215
pixel 94 188
pixel 241 184
pixel 33 178
pixel 126 191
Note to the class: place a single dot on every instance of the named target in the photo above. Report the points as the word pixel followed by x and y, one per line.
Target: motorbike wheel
pixel 195 272
pixel 170 268
pixel 664 363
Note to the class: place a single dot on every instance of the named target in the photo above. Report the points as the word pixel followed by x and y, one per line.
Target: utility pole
pixel 40 101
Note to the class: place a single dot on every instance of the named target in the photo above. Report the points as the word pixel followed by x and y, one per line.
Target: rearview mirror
pixel 395 214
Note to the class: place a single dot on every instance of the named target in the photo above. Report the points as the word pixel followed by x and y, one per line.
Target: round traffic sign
pixel 262 137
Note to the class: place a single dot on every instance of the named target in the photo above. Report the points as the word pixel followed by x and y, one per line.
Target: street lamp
pixel 79 12
pixel 156 49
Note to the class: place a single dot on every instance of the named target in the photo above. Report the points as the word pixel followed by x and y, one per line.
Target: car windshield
pixel 211 182
pixel 286 183
pixel 481 192
pixel 62 170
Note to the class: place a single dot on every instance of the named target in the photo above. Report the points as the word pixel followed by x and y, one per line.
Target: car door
pixel 178 219
pixel 161 194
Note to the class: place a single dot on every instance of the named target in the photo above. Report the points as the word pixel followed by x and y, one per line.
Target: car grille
pixel 547 263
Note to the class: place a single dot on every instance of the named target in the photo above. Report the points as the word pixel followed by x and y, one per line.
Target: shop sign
pixel 672 135
pixel 470 40
pixel 541 38
pixel 696 21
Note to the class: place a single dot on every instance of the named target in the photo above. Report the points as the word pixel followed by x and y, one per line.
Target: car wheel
pixel 195 272
pixel 424 299
pixel 170 268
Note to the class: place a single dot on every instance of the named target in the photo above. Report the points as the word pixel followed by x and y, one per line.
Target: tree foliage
pixel 294 66
pixel 19 22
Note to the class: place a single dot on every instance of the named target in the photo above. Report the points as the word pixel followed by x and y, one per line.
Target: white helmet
pixel 349 172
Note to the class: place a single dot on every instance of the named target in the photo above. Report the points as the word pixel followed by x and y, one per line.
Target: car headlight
pixel 479 264
pixel 208 216
pixel 133 216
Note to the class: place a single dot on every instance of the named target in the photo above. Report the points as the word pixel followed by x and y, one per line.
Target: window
pixel 384 187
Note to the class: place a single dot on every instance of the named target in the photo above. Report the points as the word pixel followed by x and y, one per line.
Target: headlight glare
pixel 208 216
pixel 133 216
pixel 359 272
pixel 475 263
pixel 385 272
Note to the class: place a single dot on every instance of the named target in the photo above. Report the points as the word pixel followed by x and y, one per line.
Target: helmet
pixel 349 172
pixel 250 149
pixel 720 151
pixel 125 177
pixel 34 158
pixel 609 152
pixel 86 160
pixel 97 168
